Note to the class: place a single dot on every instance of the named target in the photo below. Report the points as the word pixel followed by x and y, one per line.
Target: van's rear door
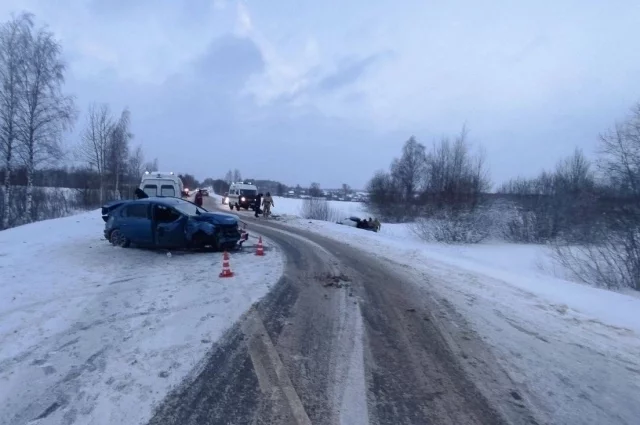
pixel 150 188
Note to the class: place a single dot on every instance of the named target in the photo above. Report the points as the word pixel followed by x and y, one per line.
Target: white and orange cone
pixel 226 269
pixel 260 248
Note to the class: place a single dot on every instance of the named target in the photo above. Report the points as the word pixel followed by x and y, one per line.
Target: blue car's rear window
pixel 137 211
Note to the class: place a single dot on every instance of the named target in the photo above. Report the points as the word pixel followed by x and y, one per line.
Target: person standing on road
pixel 198 200
pixel 257 205
pixel 267 203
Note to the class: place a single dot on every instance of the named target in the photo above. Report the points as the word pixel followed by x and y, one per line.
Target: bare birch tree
pixel 136 165
pixel 45 112
pixel 118 150
pixel 12 56
pixel 409 169
pixel 94 147
pixel 152 165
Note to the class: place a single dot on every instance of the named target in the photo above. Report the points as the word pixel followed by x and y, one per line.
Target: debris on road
pixel 336 281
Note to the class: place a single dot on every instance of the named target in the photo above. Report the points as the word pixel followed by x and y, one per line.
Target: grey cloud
pixel 229 62
pixel 198 122
pixel 349 71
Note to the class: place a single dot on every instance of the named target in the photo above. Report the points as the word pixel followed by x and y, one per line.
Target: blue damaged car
pixel 166 222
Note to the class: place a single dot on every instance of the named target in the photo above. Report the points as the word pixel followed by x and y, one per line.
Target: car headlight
pixel 242 199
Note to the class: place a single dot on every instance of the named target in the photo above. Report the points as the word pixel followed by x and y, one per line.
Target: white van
pixel 157 183
pixel 242 195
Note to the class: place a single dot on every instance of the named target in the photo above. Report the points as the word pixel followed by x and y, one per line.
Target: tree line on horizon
pixel 588 210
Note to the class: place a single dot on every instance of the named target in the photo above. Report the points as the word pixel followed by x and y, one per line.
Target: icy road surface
pixel 95 334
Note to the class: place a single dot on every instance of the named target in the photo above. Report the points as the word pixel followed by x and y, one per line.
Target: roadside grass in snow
pixel 319 209
pixel 612 263
pixel 48 203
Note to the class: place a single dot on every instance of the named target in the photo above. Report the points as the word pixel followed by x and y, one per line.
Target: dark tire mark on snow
pixel 129 279
pixel 49 410
pixel 225 389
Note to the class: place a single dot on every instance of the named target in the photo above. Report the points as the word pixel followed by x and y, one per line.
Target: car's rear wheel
pixel 118 239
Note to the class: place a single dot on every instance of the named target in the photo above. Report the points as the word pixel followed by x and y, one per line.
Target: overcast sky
pixel 329 91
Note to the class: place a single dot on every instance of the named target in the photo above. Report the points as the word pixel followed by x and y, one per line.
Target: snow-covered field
pixel 293 207
pixel 575 348
pixel 95 334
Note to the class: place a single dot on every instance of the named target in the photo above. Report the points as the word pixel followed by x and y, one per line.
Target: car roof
pixel 164 200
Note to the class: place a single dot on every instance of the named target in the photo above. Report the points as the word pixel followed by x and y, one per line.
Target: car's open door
pixel 169 227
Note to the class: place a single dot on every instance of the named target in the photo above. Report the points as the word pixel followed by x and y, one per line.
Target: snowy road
pixel 345 338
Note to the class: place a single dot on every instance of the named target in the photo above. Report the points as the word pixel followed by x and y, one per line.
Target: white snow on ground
pixel 293 207
pixel 575 348
pixel 91 333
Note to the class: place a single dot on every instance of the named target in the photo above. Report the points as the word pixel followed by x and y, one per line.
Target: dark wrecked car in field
pixel 372 225
pixel 167 222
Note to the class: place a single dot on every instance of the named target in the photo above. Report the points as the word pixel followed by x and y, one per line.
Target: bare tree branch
pixel 12 58
pixel 96 138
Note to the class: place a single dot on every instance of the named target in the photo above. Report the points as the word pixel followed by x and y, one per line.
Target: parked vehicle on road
pixel 242 195
pixel 158 183
pixel 165 222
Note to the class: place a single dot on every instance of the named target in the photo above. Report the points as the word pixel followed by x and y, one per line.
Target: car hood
pixel 216 218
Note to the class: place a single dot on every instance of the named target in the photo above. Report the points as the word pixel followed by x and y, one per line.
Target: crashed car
pixel 358 223
pixel 166 222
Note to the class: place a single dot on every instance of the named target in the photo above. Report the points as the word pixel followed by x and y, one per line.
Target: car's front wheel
pixel 199 241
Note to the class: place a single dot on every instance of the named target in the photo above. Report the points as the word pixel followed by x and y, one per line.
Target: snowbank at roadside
pixel 98 334
pixel 575 348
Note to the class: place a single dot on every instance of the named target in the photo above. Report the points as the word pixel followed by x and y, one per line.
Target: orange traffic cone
pixel 260 248
pixel 226 270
